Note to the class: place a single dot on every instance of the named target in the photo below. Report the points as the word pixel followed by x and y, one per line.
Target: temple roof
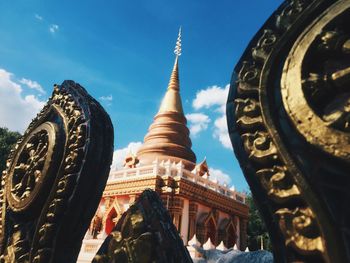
pixel 168 136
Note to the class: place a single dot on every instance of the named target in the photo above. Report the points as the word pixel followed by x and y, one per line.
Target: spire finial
pixel 177 50
pixel 174 78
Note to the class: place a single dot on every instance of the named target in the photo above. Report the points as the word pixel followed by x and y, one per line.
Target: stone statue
pixel 288 117
pixel 60 164
pixel 145 233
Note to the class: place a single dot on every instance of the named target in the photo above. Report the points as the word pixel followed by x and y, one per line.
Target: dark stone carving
pixel 144 233
pixel 60 164
pixel 288 116
pixel 264 45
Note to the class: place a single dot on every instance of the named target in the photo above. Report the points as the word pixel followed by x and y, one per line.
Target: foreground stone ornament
pixel 59 165
pixel 288 116
pixel 145 233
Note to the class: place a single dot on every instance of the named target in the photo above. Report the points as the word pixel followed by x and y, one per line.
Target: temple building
pixel 202 209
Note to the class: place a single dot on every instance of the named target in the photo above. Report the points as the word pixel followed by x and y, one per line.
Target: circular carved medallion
pixel 30 167
pixel 316 95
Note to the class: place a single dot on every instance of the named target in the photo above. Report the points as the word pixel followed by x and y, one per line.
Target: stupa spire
pixel 168 136
pixel 174 78
pixel 172 99
pixel 177 50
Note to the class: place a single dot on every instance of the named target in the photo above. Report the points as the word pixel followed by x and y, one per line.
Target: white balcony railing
pixel 173 169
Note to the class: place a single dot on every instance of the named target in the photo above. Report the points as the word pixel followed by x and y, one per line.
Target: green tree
pixel 7 141
pixel 256 227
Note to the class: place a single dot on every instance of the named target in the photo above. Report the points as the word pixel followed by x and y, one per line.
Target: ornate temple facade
pixel 201 208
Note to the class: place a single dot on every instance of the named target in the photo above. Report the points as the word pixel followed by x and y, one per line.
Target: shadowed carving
pixel 145 233
pixel 288 117
pixel 61 163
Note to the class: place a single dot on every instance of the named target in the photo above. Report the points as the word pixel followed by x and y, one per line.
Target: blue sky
pixel 122 53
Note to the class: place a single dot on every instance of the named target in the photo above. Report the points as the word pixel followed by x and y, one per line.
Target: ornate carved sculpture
pixel 131 161
pixel 60 164
pixel 145 233
pixel 288 115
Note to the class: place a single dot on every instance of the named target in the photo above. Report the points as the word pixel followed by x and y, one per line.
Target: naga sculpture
pixel 59 165
pixel 145 233
pixel 288 114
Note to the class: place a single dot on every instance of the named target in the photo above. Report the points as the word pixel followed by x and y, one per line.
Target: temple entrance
pixel 231 236
pixel 211 230
pixel 110 220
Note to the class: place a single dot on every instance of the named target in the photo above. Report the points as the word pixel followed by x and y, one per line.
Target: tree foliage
pixel 256 227
pixel 7 141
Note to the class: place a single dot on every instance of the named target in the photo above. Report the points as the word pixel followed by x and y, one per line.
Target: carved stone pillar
pixel 238 231
pixel 243 234
pixel 176 220
pixel 175 210
pixel 185 221
pixel 192 219
pixel 216 214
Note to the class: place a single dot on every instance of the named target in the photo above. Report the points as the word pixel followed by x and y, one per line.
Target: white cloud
pixel 53 28
pixel 39 17
pixel 213 99
pixel 107 99
pixel 212 96
pixel 221 132
pixel 16 110
pixel 198 122
pixel 32 84
pixel 220 176
pixel 120 154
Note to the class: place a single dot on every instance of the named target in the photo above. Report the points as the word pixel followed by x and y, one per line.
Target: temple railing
pixel 174 169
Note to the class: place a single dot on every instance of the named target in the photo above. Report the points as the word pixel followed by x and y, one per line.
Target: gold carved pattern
pixel 299 226
pixel 248 79
pixel 145 233
pixel 30 168
pixel 131 244
pixel 315 95
pixel 76 135
pixel 248 113
pixel 40 184
pixel 278 185
pixel 136 186
pixel 260 146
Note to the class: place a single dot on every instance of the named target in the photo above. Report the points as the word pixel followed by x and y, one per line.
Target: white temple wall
pixel 185 221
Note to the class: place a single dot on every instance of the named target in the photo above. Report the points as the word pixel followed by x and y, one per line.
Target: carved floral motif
pixel 49 177
pixel 298 227
pixel 260 129
pixel 277 184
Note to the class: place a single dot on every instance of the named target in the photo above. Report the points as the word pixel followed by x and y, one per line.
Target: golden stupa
pixel 168 136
